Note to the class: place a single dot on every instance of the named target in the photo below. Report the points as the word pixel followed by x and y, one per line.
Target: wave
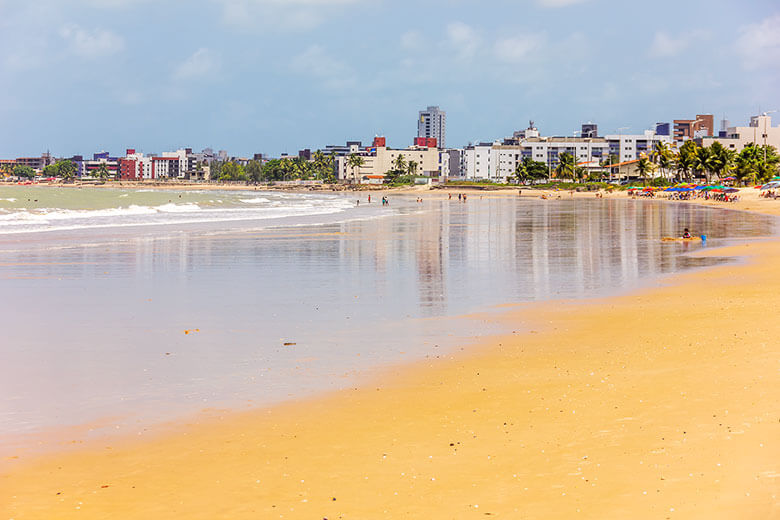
pixel 258 200
pixel 57 219
pixel 10 199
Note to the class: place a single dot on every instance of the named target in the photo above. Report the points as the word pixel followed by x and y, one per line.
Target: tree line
pixel 321 167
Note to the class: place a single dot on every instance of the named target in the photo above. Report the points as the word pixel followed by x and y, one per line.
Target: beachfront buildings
pixel 378 159
pixel 497 161
pixel 759 132
pixel 432 123
pixel 168 165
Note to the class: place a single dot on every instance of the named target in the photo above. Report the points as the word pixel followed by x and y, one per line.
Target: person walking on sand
pixel 369 198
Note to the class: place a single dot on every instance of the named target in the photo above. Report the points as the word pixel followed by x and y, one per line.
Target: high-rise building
pixel 433 123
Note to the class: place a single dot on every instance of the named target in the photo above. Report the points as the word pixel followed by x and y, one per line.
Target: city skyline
pixel 266 76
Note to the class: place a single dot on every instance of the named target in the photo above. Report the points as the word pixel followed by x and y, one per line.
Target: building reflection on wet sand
pixel 91 317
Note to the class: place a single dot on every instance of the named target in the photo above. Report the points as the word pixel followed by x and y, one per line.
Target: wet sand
pixel 658 404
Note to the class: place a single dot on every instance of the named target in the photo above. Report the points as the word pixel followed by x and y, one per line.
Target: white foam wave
pixel 258 200
pixel 9 199
pixel 57 219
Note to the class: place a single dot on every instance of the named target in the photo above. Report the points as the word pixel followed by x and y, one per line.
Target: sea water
pixel 144 306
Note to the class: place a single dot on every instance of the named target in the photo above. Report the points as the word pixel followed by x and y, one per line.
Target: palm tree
pixel 687 159
pixel 721 160
pixel 661 156
pixel 747 164
pixel 286 167
pixel 666 163
pixel 102 171
pixel 645 167
pixel 702 160
pixel 355 161
pixel 300 168
pixel 411 167
pixel 566 166
pixel 771 160
pixel 521 172
pixel 319 164
pixel 399 163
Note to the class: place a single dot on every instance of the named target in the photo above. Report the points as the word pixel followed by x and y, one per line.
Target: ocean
pixel 126 308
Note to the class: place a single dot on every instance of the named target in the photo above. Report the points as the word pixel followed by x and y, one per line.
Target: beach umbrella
pixel 730 190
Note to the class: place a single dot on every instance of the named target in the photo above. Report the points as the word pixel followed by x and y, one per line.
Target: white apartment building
pixel 497 161
pixel 760 132
pixel 480 161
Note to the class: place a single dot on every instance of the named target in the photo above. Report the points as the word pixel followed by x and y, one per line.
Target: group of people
pixel 768 194
pixel 385 201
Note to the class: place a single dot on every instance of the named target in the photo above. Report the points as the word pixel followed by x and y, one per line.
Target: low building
pixel 90 167
pixel 36 163
pixel 378 159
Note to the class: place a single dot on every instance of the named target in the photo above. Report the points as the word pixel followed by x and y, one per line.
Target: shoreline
pixel 749 197
pixel 484 427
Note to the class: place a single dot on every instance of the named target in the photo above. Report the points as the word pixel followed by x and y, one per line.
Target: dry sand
pixel 664 403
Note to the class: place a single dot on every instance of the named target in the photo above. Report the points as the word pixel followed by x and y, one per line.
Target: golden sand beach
pixel 663 403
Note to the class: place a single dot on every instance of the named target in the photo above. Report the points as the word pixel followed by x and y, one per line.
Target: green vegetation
pixel 285 169
pixel 530 170
pixel 102 172
pixel 754 164
pixel 24 171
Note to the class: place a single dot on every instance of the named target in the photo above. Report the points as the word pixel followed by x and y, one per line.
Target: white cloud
pixel 665 45
pixel 759 43
pixel 518 48
pixel 315 62
pixel 91 44
pixel 463 39
pixel 202 64
pixel 411 40
pixel 284 14
pixel 559 3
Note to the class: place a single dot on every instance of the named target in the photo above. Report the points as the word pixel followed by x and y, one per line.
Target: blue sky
pixel 273 76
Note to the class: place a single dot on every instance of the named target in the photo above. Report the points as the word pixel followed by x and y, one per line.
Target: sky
pixel 276 76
